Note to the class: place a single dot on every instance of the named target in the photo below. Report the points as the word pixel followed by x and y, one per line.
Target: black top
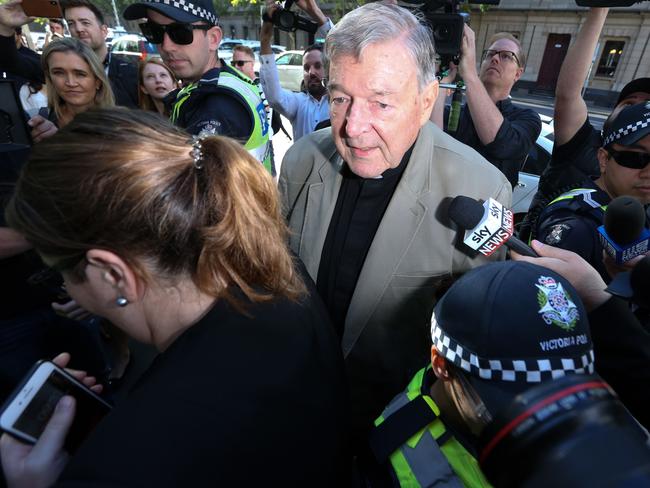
pixel 512 143
pixel 572 164
pixel 622 355
pixel 255 399
pixel 214 109
pixel 24 63
pixel 124 81
pixel 360 206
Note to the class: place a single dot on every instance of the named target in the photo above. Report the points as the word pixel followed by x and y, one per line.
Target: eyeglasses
pixel 503 55
pixel 178 33
pixel 630 159
pixel 240 63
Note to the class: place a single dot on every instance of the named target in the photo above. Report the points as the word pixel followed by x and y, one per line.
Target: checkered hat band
pixel 519 370
pixel 191 8
pixel 623 131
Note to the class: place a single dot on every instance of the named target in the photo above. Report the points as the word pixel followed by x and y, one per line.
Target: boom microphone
pixel 487 226
pixel 624 235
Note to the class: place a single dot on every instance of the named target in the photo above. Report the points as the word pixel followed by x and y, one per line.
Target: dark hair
pixel 57 21
pixel 126 181
pixel 84 3
pixel 314 47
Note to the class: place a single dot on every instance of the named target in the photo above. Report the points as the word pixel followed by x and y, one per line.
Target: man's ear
pixel 439 365
pixel 104 29
pixel 520 71
pixel 116 273
pixel 603 158
pixel 214 38
pixel 429 96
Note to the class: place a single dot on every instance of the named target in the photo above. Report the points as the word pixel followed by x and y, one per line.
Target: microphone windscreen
pixel 465 212
pixel 624 220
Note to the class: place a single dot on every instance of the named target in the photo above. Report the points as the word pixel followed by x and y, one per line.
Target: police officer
pixel 481 359
pixel 216 98
pixel 571 220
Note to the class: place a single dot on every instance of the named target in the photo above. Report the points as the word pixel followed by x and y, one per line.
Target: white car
pixel 290 70
pixel 538 158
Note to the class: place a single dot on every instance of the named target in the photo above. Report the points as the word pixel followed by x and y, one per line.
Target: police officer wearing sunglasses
pixel 215 98
pixel 571 220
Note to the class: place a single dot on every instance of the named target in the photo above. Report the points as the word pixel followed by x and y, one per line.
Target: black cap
pixel 511 325
pixel 630 125
pixel 638 85
pixel 179 10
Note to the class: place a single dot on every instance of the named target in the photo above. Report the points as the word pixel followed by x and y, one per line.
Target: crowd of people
pixel 325 326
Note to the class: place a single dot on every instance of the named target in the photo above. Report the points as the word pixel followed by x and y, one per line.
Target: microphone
pixel 487 226
pixel 633 285
pixel 624 235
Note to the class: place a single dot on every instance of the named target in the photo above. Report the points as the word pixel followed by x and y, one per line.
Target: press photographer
pixel 489 122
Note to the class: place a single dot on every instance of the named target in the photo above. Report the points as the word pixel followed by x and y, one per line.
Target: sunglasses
pixel 630 159
pixel 240 63
pixel 503 55
pixel 178 33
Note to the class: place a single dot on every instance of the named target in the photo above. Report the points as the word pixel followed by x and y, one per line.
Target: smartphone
pixel 43 8
pixel 27 411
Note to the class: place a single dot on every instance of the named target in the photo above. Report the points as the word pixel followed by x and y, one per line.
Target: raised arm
pixel 570 108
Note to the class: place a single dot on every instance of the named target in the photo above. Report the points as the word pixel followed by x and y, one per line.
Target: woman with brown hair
pixel 181 244
pixel 156 81
pixel 75 79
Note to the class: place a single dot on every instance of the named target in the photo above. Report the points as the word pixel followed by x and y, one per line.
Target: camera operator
pixel 574 159
pixel 500 131
pixel 304 110
pixel 481 359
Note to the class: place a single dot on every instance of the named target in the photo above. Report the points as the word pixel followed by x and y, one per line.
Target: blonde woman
pixel 76 80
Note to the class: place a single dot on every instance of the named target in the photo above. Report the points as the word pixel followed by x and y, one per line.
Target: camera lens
pixel 285 19
pixel 552 434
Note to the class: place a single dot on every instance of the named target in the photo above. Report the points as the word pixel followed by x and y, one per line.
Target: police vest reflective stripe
pixel 258 143
pixel 580 200
pixel 431 456
pixel 585 193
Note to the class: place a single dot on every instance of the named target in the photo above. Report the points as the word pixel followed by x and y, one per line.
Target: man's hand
pixel 467 65
pixel 41 464
pixel 41 128
pixel 584 278
pixel 12 15
pixel 311 8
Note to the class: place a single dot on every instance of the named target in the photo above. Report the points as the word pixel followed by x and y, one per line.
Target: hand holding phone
pixel 12 15
pixel 42 463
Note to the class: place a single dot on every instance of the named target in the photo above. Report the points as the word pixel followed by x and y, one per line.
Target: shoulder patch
pixel 557 233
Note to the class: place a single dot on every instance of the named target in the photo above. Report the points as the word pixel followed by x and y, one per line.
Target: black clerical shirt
pixel 360 206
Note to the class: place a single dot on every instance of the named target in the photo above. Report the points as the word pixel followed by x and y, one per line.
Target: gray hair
pixel 375 23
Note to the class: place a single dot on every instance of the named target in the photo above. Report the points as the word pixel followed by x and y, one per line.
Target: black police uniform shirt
pixel 123 77
pixel 512 143
pixel 575 227
pixel 213 109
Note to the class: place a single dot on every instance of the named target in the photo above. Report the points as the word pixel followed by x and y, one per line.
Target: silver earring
pixel 121 302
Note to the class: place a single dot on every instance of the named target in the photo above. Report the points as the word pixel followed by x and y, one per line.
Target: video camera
pixel 446 27
pixel 284 19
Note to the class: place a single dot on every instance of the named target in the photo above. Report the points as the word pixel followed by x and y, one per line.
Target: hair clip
pixel 197 149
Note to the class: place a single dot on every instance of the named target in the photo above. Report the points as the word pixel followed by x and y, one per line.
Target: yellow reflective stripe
pixel 181 98
pixel 403 471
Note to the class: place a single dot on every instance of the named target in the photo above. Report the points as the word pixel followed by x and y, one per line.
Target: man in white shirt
pixel 304 110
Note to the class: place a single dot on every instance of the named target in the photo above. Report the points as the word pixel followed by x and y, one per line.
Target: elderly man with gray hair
pixel 363 200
